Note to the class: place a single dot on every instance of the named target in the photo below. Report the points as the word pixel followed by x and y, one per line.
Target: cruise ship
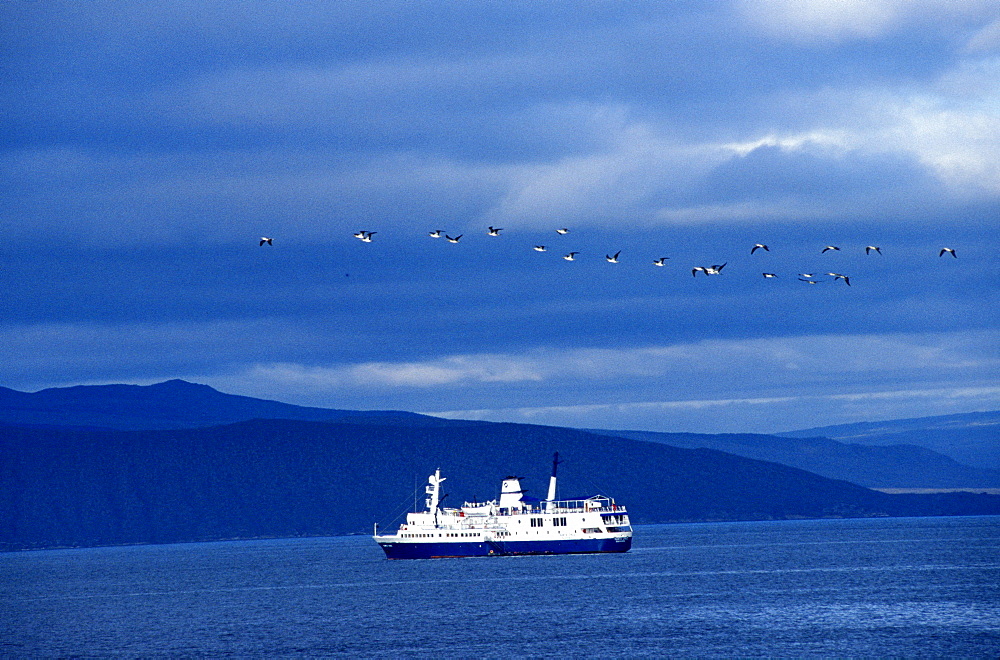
pixel 514 525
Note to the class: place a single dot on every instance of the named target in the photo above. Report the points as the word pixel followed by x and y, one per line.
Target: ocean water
pixel 916 587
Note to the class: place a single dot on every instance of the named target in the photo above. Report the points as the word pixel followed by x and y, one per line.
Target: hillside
pixel 971 438
pixel 282 478
pixel 174 404
pixel 894 466
pixel 856 455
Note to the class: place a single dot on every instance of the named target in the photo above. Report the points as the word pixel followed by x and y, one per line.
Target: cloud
pixel 837 20
pixel 985 40
pixel 712 368
pixel 82 196
pixel 830 19
pixel 550 122
pixel 925 145
pixel 745 369
pixel 959 145
pixel 364 96
pixel 450 371
pixel 752 415
pixel 622 180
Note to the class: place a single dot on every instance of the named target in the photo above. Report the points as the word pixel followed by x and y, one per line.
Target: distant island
pixel 121 464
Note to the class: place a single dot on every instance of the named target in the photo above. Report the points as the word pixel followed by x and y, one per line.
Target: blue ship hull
pixel 404 550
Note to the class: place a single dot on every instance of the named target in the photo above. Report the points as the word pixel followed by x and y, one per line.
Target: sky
pixel 147 147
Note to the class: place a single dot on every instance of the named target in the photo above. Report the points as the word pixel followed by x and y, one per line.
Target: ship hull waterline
pixel 429 550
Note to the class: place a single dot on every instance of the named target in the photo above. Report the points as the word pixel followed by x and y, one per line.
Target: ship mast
pixel 433 490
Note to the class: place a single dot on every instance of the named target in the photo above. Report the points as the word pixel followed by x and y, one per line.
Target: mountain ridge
pixel 970 438
pixel 172 404
pixel 890 466
pixel 179 404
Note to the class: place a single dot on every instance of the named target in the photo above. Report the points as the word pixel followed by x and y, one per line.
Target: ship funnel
pixel 510 493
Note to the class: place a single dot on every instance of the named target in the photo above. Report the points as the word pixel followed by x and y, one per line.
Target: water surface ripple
pixel 917 587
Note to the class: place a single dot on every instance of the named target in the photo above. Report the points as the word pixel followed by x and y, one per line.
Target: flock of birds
pixel 715 269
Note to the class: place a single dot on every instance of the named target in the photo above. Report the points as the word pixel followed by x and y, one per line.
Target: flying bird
pixel 571 256
pixel 659 262
pixel 759 246
pixel 435 234
pixel 563 230
pixel 539 248
pixel 830 247
pixel 838 276
pixel 810 281
pixel 494 231
pixel 869 248
pixel 265 239
pixel 943 250
pixel 768 275
pixel 613 259
pixel 454 239
pixel 367 238
pixel 806 275
pixel 708 270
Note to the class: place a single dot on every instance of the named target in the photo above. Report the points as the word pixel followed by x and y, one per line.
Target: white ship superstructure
pixel 513 525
